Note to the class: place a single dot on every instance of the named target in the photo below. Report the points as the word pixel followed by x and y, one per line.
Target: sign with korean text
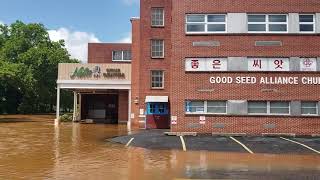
pixel 268 64
pixel 308 64
pixel 206 64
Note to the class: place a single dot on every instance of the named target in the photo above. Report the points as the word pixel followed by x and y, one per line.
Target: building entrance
pixel 101 108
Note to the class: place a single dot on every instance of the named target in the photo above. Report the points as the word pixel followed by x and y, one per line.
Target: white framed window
pixel 157 79
pixel 269 107
pixel 307 23
pixel 157 17
pixel 157 48
pixel 279 107
pixel 206 107
pixel 267 23
pixel 257 107
pixel 206 23
pixel 217 107
pixel 121 56
pixel 309 108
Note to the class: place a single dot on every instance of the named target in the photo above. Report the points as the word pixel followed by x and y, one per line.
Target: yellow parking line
pixel 301 144
pixel 244 146
pixel 183 144
pixel 129 142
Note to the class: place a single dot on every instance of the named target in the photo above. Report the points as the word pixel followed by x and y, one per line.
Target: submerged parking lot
pixel 156 139
pixel 32 147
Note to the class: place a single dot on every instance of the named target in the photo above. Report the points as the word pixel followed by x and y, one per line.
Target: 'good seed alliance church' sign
pixel 266 80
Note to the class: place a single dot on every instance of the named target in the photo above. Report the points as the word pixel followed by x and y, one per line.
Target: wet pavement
pixel 31 147
pixel 155 139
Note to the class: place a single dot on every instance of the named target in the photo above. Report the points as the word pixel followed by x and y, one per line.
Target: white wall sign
pixel 268 64
pixel 202 120
pixel 174 120
pixel 308 64
pixel 206 64
pixel 132 116
pixel 141 111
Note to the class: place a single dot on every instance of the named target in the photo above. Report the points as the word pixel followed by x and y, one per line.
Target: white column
pixel 57 120
pixel 80 101
pixel 74 106
pixel 129 110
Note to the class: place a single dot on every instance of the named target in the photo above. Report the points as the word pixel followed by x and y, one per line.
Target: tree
pixel 28 69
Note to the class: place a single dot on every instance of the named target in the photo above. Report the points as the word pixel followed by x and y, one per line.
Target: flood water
pixel 31 147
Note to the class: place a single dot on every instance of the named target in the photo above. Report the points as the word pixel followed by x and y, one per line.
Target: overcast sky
pixel 76 21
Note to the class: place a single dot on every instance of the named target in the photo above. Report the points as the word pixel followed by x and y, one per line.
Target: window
pixel 157 17
pixel 157 48
pixel 206 107
pixel 157 108
pixel 157 79
pixel 217 107
pixel 309 108
pixel 268 107
pixel 275 23
pixel 257 107
pixel 278 107
pixel 307 23
pixel 121 55
pixel 211 23
pixel 195 106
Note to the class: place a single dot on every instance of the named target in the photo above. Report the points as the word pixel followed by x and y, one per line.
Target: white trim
pixel 267 23
pixel 206 23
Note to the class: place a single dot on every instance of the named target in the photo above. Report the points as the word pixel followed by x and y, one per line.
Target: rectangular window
pixel 195 106
pixel 121 55
pixel 209 23
pixel 309 108
pixel 279 107
pixel 157 108
pixel 206 107
pixel 273 23
pixel 217 107
pixel 257 107
pixel 157 79
pixel 157 17
pixel 157 48
pixel 307 23
pixel 269 107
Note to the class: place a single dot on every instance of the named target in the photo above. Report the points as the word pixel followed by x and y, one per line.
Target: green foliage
pixel 28 69
pixel 66 118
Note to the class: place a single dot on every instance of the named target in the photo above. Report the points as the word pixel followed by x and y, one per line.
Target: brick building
pixel 222 66
pixel 225 66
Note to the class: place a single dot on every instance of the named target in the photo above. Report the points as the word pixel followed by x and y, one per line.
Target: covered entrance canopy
pixel 101 90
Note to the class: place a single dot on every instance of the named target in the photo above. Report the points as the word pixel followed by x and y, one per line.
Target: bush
pixel 66 118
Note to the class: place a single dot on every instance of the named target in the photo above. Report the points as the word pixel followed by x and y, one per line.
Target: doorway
pixel 101 108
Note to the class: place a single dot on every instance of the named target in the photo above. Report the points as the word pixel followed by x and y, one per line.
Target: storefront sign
pixel 268 64
pixel 308 64
pixel 265 80
pixel 206 64
pixel 202 120
pixel 96 72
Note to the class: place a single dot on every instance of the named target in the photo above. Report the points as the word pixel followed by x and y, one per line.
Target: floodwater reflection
pixel 40 150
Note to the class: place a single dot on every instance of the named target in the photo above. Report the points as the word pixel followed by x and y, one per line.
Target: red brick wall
pixel 123 106
pixel 185 85
pixel 102 52
pixel 135 65
pixel 180 85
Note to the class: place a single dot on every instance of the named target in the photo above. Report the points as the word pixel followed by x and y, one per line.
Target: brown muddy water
pixel 31 147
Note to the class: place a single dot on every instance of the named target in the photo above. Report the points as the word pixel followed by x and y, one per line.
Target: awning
pixel 156 99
